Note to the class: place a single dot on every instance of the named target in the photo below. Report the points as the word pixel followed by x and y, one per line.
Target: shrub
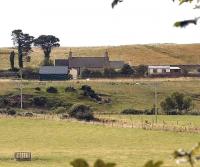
pixel 176 102
pixel 47 62
pixel 87 91
pixel 81 112
pixel 28 114
pixel 110 73
pixel 52 89
pixel 40 101
pixel 60 110
pixel 141 70
pixel 11 111
pixel 70 89
pixel 127 70
pixel 30 73
pixel 132 111
pixel 96 74
pixel 38 89
pixel 85 73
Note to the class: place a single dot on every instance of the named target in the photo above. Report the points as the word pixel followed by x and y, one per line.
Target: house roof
pixel 88 62
pixel 61 62
pixel 175 68
pixel 116 64
pixel 53 70
pixel 159 67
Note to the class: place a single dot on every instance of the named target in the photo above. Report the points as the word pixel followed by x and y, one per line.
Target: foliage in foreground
pixel 180 155
pixel 98 163
pixel 181 24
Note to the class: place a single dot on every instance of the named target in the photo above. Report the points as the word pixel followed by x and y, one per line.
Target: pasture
pixel 56 143
pixel 133 54
pixel 125 94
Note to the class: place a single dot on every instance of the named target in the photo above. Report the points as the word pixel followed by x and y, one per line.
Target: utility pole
pixel 156 102
pixel 21 88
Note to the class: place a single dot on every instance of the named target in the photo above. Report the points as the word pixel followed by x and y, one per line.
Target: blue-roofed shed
pixel 53 73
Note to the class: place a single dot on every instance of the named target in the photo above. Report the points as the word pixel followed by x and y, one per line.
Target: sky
pixel 95 23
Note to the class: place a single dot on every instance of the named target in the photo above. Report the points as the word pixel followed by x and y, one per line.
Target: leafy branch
pixel 182 23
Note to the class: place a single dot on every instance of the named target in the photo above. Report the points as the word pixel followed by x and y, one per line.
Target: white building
pixel 153 70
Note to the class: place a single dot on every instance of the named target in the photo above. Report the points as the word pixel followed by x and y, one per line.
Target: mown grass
pixel 56 143
pixel 133 54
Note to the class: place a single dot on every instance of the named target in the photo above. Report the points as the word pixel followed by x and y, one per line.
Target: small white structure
pixel 74 73
pixel 153 70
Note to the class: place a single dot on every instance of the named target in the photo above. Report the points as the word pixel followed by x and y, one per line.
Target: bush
pixel 127 70
pixel 141 70
pixel 110 73
pixel 11 111
pixel 38 89
pixel 70 89
pixel 30 73
pixel 96 74
pixel 85 73
pixel 60 110
pixel 40 101
pixel 28 114
pixel 176 102
pixel 132 112
pixel 87 91
pixel 81 112
pixel 52 90
pixel 47 62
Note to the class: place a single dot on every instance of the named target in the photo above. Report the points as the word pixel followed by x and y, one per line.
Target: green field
pixel 56 143
pixel 124 94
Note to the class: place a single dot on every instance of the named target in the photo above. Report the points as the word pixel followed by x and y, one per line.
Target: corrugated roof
pixel 175 68
pixel 159 67
pixel 53 70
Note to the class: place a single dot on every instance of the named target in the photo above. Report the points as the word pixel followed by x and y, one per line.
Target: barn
pixel 53 73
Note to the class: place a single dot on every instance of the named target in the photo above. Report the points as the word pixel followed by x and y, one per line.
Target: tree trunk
pixel 12 60
pixel 20 56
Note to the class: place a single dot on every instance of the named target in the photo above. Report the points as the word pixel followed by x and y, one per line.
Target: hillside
pixel 134 54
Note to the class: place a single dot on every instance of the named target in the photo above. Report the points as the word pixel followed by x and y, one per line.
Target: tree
pixel 47 43
pixel 177 101
pixel 23 43
pixel 127 70
pixel 110 73
pixel 181 24
pixel 12 60
pixel 141 70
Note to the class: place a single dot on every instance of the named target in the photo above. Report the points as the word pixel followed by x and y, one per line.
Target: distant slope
pixel 134 54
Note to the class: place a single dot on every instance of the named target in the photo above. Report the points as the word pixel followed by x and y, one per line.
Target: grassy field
pixel 133 54
pixel 56 143
pixel 124 94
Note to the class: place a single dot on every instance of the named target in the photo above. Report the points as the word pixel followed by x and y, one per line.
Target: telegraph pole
pixel 21 89
pixel 156 101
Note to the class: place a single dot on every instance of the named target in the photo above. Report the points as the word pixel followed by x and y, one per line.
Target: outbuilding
pixel 53 73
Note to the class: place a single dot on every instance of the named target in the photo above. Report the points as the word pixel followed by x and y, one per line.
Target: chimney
pixel 106 55
pixel 70 53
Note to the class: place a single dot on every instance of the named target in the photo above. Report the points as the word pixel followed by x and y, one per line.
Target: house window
pixel 154 70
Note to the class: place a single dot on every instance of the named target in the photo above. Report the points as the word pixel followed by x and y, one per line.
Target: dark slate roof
pixel 116 64
pixel 53 70
pixel 61 62
pixel 88 62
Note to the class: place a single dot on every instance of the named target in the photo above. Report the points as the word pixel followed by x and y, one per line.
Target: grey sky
pixel 94 22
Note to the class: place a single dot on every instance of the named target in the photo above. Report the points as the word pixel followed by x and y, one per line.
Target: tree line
pixel 24 42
